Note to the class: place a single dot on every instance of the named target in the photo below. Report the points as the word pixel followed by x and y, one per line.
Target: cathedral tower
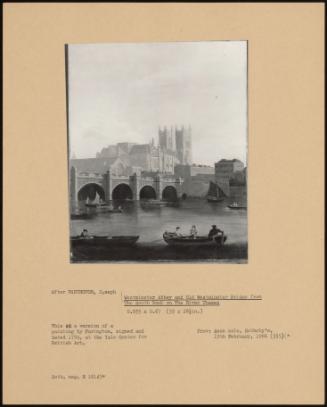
pixel 167 139
pixel 183 137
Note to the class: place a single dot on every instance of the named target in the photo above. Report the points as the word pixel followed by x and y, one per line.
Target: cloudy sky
pixel 123 92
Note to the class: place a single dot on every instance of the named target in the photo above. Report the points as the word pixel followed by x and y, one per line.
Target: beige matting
pixel 286 160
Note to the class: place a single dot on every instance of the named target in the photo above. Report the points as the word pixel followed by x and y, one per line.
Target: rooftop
pixel 234 160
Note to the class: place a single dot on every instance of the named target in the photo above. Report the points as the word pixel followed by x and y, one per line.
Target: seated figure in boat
pixel 214 231
pixel 177 232
pixel 85 233
pixel 193 232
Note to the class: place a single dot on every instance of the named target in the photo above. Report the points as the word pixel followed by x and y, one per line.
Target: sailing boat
pixel 101 206
pixel 215 194
pixel 94 203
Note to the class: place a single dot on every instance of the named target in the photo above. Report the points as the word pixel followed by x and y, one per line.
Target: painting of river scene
pixel 157 146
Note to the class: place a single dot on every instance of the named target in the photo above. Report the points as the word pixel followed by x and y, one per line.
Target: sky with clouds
pixel 123 92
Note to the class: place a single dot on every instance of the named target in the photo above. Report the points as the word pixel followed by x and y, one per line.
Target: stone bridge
pixel 108 186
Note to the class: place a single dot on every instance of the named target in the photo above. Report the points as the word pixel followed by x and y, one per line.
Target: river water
pixel 151 223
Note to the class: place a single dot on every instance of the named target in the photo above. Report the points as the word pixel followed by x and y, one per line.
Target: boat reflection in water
pixel 157 203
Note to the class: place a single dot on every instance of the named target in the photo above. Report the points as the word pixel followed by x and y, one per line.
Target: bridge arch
pixel 122 192
pixel 169 194
pixel 90 191
pixel 148 192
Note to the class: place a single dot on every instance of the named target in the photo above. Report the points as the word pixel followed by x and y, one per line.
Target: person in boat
pixel 214 231
pixel 193 232
pixel 177 232
pixel 85 233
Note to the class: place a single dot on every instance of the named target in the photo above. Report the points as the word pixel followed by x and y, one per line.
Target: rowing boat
pixel 94 241
pixel 190 241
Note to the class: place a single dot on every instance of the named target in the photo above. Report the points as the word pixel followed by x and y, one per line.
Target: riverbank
pixel 142 252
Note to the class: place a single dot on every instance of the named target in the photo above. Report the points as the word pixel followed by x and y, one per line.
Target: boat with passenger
pixel 173 239
pixel 102 206
pixel 102 241
pixel 98 203
pixel 109 209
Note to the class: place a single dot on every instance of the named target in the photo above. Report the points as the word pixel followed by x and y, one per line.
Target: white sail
pixel 97 198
